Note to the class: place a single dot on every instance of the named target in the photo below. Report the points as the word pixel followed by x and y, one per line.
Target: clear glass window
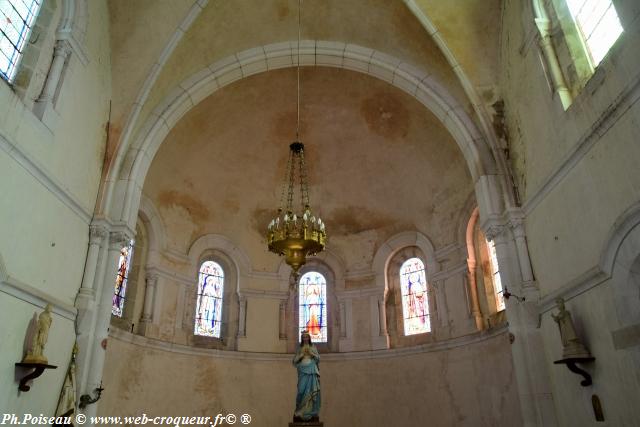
pixel 495 276
pixel 599 25
pixel 16 19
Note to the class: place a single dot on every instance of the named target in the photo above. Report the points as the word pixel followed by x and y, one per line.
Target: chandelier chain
pixel 304 189
pixel 284 183
pixel 298 75
pixel 291 180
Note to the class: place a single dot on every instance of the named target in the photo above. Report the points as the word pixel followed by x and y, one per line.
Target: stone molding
pixel 601 272
pixel 607 119
pixel 36 297
pixel 466 340
pixel 46 178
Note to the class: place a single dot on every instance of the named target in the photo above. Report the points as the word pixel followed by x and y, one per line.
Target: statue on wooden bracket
pixel 35 353
pixel 572 347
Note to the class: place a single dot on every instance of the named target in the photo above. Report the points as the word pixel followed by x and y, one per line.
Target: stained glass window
pixel 117 306
pixel 599 25
pixel 495 276
pixel 313 305
pixel 209 304
pixel 16 20
pixel 415 301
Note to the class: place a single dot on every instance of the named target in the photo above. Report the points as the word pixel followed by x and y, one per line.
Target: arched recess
pixel 333 268
pixel 621 259
pixel 397 242
pixel 380 267
pixel 394 313
pixel 122 194
pixel 235 264
pixel 241 261
pixel 156 237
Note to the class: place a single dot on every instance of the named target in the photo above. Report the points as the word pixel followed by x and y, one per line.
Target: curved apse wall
pixel 462 382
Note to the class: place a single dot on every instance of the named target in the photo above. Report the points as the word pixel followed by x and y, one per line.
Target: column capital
pixel 62 48
pixel 117 239
pixel 494 230
pixel 515 218
pixel 97 233
pixel 151 278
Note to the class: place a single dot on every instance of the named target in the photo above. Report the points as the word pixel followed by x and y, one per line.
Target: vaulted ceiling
pixel 380 162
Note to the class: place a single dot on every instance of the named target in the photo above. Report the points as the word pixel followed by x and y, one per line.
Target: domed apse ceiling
pixel 379 163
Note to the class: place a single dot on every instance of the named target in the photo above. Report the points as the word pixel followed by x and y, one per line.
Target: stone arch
pixel 240 260
pixel 327 269
pixel 156 236
pixel 621 261
pixel 123 193
pixel 393 303
pixel 73 26
pixel 236 265
pixel 328 257
pixel 396 243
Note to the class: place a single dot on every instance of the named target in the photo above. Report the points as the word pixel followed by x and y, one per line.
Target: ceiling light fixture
pixel 296 234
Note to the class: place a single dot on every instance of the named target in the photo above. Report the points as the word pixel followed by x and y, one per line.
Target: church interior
pixel 454 186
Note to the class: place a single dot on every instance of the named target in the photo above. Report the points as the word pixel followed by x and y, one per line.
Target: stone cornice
pixel 148 343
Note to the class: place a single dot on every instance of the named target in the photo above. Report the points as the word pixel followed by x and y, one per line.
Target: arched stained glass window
pixel 415 301
pixel 209 304
pixel 16 19
pixel 313 305
pixel 495 276
pixel 124 263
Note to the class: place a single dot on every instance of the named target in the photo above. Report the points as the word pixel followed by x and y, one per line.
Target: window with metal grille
pixel 598 24
pixel 16 19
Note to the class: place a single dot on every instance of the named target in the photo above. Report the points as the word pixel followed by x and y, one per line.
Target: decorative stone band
pixel 466 340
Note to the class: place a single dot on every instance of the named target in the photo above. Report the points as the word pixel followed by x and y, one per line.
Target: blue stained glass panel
pixel 312 293
pixel 209 304
pixel 415 300
pixel 120 289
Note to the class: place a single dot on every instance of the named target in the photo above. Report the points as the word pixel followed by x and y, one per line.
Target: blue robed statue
pixel 306 361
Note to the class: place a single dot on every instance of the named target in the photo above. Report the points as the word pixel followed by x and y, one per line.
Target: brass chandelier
pixel 296 234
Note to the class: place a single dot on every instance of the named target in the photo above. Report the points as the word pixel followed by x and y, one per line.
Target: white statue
pixel 571 346
pixel 67 400
pixel 35 354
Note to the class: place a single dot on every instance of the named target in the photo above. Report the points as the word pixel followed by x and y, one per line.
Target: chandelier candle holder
pixel 296 234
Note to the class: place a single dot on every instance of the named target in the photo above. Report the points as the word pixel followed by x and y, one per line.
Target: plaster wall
pixel 16 332
pixel 49 178
pixel 615 375
pixel 472 385
pixel 577 173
